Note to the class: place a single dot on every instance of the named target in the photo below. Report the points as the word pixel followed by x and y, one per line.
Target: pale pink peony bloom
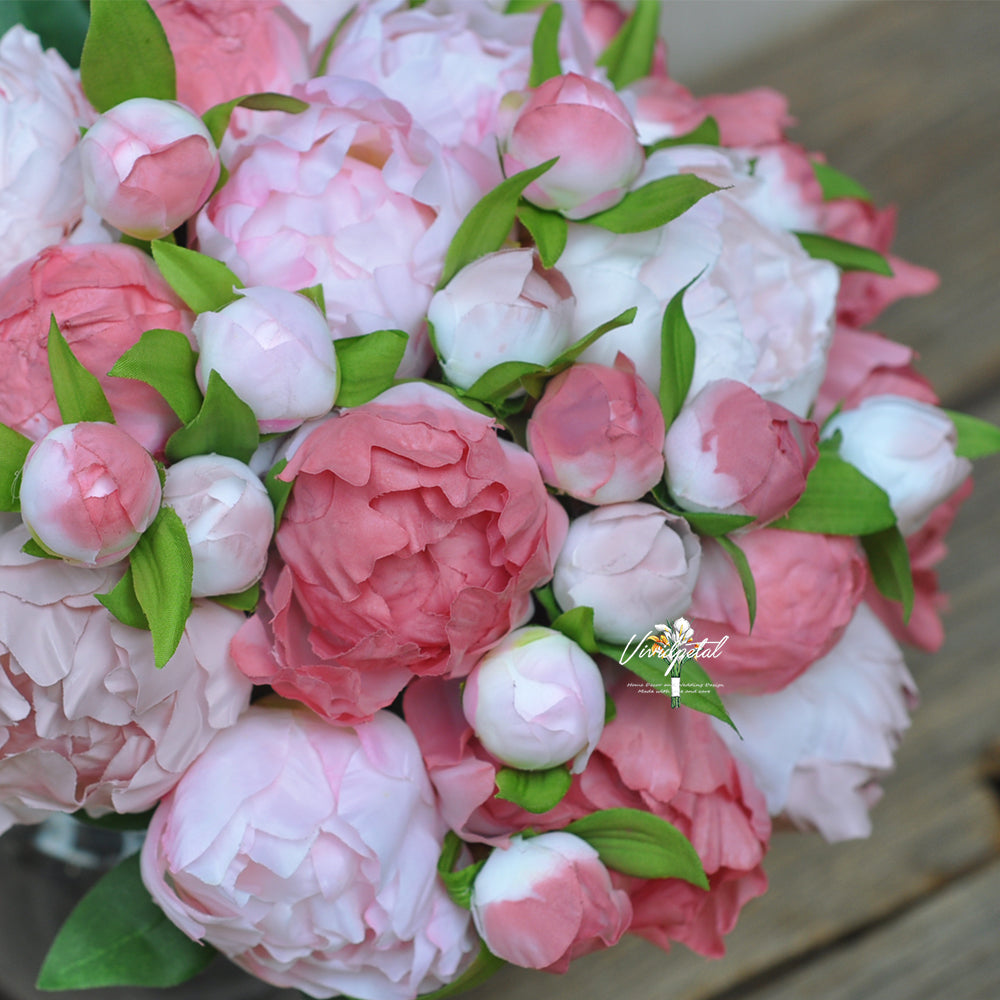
pixel 587 126
pixel 307 853
pixel 807 585
pixel 41 187
pixel 352 195
pixel 731 452
pixel 87 721
pixel 755 117
pixel 228 518
pixel 536 700
pixel 148 166
pixel 502 307
pixel 410 545
pixel 633 563
pixel 818 747
pixel 542 902
pixel 273 349
pixel 88 491
pixel 906 447
pixel 597 433
pixel 104 297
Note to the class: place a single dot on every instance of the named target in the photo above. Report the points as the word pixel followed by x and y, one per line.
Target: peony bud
pixel 274 350
pixel 148 166
pixel 597 433
pixel 633 563
pixel 587 126
pixel 88 491
pixel 907 448
pixel 536 701
pixel 501 307
pixel 229 521
pixel 542 902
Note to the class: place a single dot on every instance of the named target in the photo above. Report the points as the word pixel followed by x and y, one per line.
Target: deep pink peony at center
pixel 410 544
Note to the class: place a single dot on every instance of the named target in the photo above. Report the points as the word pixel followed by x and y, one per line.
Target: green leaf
pixel 216 118
pixel 489 222
pixel 976 438
pixel 545 47
pixel 367 364
pixel 126 54
pixel 610 709
pixel 847 256
pixel 677 352
pixel 654 204
pixel 245 600
pixel 713 525
pixel 277 489
pixel 204 283
pixel 699 693
pixel 575 350
pixel 458 883
pixel 60 24
pixel 314 293
pixel 578 624
pixel 705 134
pixel 14 450
pixel 165 360
pixel 739 559
pixel 546 598
pixel 482 967
pixel 225 425
pixel 638 843
pixel 536 791
pixel 117 936
pixel 77 391
pixel 629 56
pixel 522 6
pixel 32 547
pixel 122 602
pixel 549 230
pixel 838 500
pixel 162 568
pixel 889 561
pixel 834 184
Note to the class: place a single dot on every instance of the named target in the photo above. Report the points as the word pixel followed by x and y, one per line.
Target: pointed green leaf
pixel 458 883
pixel 522 6
pixel 575 350
pixel 162 568
pixel 535 791
pixel 122 602
pixel 204 283
pixel 126 54
pixel 14 450
pixel 225 425
pixel 739 559
pixel 545 47
pixel 277 489
pixel 847 256
pixel 77 391
pixel 705 134
pixel 889 561
pixel 654 204
pixel 245 600
pixel 677 353
pixel 976 438
pixel 216 118
pixel 32 547
pixel 546 598
pixel 629 57
pixel 638 843
pixel 834 184
pixel 578 624
pixel 713 525
pixel 314 293
pixel 482 967
pixel 367 364
pixel 117 936
pixel 489 222
pixel 165 360
pixel 549 230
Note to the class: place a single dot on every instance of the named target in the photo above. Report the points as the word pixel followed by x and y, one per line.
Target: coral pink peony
pixel 410 544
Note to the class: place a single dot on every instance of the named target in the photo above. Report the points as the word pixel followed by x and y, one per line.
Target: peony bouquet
pixel 452 498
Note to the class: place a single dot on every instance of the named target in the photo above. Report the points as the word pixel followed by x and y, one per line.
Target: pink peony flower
pixel 352 195
pixel 536 700
pixel 542 902
pixel 817 747
pixel 752 118
pixel 410 544
pixel 88 491
pixel 731 452
pixel 86 719
pixel 307 853
pixel 229 521
pixel 597 433
pixel 587 126
pixel 633 563
pixel 148 166
pixel 104 297
pixel 807 589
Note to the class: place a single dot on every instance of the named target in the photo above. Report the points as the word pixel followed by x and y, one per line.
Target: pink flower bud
pixel 88 491
pixel 501 307
pixel 732 452
pixel 229 521
pixel 588 127
pixel 536 700
pixel 274 350
pixel 542 902
pixel 633 563
pixel 147 166
pixel 597 433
